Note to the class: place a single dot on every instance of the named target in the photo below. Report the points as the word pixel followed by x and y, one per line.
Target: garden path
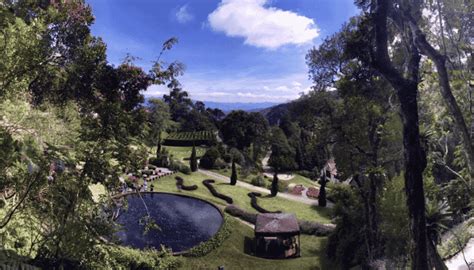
pixel 224 178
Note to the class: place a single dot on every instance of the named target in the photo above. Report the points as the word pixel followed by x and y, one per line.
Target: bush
pixel 253 201
pixel 180 184
pixel 208 183
pixel 209 158
pixel 220 164
pixel 240 213
pixel 180 167
pixel 315 228
pixel 215 241
pixel 259 181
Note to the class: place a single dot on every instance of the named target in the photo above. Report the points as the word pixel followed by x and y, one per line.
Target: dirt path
pixel 226 179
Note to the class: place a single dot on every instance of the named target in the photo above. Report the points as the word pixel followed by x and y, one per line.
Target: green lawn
pixel 232 254
pixel 239 195
pixel 182 152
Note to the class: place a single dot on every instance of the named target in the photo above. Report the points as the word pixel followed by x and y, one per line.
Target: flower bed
pixel 312 192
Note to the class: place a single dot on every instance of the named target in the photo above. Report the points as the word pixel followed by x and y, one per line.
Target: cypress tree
pixel 233 177
pixel 193 160
pixel 322 191
pixel 274 187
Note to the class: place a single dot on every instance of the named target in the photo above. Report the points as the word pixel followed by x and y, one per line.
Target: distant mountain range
pixel 231 106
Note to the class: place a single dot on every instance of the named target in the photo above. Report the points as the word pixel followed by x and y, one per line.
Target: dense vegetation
pixel 391 104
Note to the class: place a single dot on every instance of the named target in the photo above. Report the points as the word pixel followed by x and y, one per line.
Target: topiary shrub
pixel 259 181
pixel 180 184
pixel 253 201
pixel 208 183
pixel 209 158
pixel 233 176
pixel 240 213
pixel 180 167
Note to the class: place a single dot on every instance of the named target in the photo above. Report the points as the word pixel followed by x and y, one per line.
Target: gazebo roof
pixel 281 223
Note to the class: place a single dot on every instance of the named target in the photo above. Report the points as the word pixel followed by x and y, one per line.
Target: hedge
pixel 240 213
pixel 253 201
pixel 306 227
pixel 208 183
pixel 180 184
pixel 214 242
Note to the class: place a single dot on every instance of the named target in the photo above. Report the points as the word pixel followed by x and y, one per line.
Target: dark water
pixel 184 222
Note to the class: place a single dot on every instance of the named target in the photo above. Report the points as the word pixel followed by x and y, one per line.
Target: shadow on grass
pixel 225 184
pixel 248 246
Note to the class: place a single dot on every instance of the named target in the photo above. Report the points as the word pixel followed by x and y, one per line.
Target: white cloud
pixel 262 26
pixel 249 89
pixel 183 15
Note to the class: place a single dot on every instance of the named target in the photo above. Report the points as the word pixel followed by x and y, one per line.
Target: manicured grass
pixel 239 195
pixel 182 152
pixel 233 254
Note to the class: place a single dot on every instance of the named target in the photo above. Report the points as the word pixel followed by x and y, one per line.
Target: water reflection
pixel 184 222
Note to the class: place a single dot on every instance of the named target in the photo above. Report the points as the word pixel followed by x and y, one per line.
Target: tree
pixel 274 186
pixel 233 176
pixel 283 155
pixel 193 160
pixel 322 190
pixel 406 86
pixel 209 158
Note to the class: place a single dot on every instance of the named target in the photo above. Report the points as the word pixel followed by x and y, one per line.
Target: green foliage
pixel 274 186
pixel 117 257
pixel 215 241
pixel 283 155
pixel 394 219
pixel 259 181
pixel 193 160
pixel 349 228
pixel 209 158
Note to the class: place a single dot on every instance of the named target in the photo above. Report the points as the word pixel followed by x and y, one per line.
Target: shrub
pixel 233 176
pixel 180 184
pixel 209 158
pixel 259 181
pixel 240 213
pixel 220 164
pixel 215 241
pixel 253 201
pixel 180 167
pixel 315 228
pixel 208 183
pixel 193 160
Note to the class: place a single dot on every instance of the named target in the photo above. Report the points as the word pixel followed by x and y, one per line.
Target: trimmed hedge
pixel 214 242
pixel 306 227
pixel 253 201
pixel 208 183
pixel 180 183
pixel 240 213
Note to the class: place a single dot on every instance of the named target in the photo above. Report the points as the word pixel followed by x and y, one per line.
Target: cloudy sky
pixel 233 50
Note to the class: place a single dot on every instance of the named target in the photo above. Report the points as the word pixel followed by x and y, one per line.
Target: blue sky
pixel 233 50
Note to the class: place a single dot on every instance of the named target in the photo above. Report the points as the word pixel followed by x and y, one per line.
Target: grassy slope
pixel 302 211
pixel 231 255
pixel 180 153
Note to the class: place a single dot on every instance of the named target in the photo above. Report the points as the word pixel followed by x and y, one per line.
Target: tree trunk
pixel 415 163
pixel 445 89
pixel 436 261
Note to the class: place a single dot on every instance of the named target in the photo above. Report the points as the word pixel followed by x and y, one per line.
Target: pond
pixel 184 221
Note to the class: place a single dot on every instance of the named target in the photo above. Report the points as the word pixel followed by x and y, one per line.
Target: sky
pixel 234 50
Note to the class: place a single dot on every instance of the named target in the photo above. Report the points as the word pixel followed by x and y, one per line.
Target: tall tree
pixel 406 86
pixel 233 176
pixel 193 160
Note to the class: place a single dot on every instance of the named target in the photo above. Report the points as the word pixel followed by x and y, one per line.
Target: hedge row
pixel 208 184
pixel 240 213
pixel 214 242
pixel 253 201
pixel 306 227
pixel 180 184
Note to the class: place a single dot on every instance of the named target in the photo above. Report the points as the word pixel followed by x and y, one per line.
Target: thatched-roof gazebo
pixel 277 236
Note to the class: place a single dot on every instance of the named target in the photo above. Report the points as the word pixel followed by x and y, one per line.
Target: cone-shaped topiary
pixel 193 160
pixel 274 187
pixel 322 191
pixel 233 176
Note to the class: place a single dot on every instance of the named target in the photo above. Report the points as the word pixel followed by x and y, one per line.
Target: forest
pixel 381 147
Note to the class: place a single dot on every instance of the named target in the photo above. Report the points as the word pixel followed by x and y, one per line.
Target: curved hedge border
pixel 180 183
pixel 208 183
pixel 253 201
pixel 306 227
pixel 214 242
